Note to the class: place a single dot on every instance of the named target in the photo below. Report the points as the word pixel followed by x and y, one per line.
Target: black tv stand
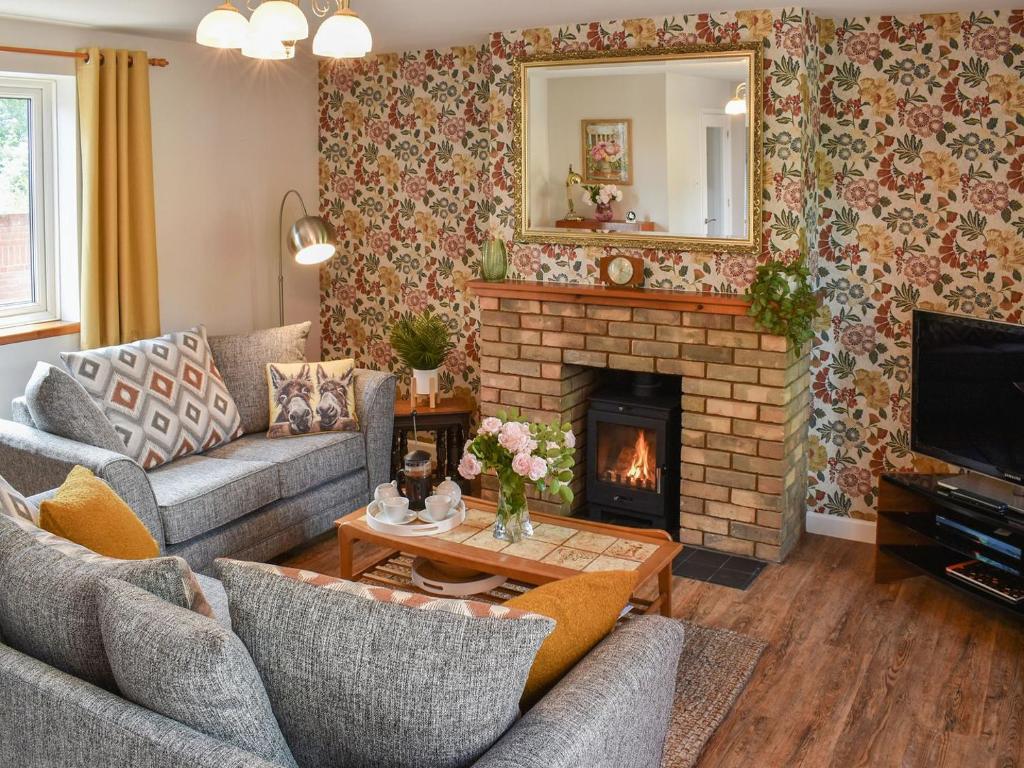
pixel 909 542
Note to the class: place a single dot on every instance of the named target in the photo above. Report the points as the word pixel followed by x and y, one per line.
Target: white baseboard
pixel 841 527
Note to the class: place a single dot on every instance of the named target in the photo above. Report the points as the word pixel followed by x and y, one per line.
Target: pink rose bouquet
pixel 520 452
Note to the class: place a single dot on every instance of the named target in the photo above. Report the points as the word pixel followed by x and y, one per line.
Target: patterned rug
pixel 714 668
pixel 713 671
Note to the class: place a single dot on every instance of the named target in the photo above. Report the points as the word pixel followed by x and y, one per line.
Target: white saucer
pixel 375 508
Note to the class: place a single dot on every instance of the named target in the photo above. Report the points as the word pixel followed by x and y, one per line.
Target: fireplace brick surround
pixel 746 395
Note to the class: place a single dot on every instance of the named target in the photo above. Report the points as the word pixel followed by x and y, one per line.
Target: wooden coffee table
pixel 560 547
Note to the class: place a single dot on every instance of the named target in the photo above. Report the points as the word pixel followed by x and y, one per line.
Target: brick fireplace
pixel 745 396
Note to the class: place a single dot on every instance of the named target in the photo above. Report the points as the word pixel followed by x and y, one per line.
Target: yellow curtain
pixel 118 262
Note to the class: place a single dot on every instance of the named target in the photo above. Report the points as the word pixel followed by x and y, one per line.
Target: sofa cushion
pixel 164 396
pixel 302 463
pixel 242 360
pixel 86 511
pixel 13 504
pixel 306 398
pixel 48 604
pixel 362 677
pixel 60 405
pixel 199 493
pixel 585 609
pixel 217 599
pixel 188 668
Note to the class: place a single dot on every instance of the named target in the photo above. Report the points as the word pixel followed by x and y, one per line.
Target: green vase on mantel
pixel 493 260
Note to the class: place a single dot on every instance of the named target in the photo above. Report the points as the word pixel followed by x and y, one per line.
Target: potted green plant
pixel 422 342
pixel 782 301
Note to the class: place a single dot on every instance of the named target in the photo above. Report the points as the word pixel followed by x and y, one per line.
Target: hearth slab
pixel 717 568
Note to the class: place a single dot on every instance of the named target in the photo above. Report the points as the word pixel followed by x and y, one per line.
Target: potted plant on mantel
pixel 783 302
pixel 422 342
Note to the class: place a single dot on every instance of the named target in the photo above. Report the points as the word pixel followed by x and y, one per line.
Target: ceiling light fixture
pixel 343 36
pixel 281 19
pixel 223 27
pixel 737 105
pixel 276 25
pixel 260 45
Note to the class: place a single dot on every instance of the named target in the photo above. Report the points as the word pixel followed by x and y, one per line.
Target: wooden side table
pixel 448 421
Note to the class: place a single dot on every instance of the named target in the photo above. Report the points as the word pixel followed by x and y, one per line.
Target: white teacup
pixel 394 509
pixel 437 507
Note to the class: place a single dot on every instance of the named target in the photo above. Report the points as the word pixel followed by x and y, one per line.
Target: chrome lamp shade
pixel 311 240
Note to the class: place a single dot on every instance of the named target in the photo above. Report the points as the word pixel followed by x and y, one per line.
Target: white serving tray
pixel 454 520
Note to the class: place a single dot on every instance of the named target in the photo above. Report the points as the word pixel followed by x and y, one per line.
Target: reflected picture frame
pixel 607 151
pixel 752 53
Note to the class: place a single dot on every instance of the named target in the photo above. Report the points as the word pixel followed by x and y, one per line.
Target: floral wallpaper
pixel 894 160
pixel 786 101
pixel 920 171
pixel 404 153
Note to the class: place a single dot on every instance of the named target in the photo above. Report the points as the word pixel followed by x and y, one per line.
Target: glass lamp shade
pixel 311 240
pixel 260 46
pixel 281 19
pixel 737 105
pixel 223 27
pixel 343 36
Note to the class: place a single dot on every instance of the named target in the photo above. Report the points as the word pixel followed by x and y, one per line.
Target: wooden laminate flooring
pixel 855 674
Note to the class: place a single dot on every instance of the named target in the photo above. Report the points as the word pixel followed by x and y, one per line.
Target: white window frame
pixel 43 190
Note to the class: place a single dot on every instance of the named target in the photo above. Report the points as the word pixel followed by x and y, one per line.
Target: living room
pixel 528 385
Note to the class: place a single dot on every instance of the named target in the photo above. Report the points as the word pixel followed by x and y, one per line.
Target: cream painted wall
pixel 640 97
pixel 230 137
pixel 685 98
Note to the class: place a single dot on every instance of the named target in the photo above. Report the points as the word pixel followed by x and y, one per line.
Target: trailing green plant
pixel 782 301
pixel 421 341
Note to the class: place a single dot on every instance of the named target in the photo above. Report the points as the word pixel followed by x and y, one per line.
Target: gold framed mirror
pixel 641 148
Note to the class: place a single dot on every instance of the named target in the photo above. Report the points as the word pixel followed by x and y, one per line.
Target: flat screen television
pixel 967 401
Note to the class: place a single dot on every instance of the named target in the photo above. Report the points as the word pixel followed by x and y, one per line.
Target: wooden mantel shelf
pixel 647 298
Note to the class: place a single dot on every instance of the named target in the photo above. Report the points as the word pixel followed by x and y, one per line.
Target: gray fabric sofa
pixel 612 710
pixel 250 499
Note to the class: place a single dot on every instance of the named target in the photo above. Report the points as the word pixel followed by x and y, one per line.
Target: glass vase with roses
pixel 520 452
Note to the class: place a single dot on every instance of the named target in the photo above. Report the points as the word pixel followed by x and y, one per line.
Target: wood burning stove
pixel 633 436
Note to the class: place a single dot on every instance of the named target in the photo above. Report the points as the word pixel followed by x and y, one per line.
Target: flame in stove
pixel 641 471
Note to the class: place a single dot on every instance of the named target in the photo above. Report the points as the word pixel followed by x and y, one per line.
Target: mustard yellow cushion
pixel 585 609
pixel 87 512
pixel 306 398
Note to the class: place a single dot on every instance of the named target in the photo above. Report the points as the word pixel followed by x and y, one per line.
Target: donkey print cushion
pixel 306 398
pixel 164 397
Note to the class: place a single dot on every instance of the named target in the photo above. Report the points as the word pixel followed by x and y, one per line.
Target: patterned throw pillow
pixel 15 505
pixel 306 398
pixel 164 397
pixel 362 676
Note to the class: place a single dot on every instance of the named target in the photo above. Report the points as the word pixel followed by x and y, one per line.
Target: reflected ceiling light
pixel 343 36
pixel 223 27
pixel 281 19
pixel 737 105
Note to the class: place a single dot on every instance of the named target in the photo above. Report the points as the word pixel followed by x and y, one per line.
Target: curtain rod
pixel 69 54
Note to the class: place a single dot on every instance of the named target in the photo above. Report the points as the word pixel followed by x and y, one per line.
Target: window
pixel 29 290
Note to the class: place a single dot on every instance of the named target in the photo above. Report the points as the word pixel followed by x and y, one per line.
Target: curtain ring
pixel 131 60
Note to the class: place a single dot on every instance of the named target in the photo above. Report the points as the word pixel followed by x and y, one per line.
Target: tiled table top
pixel 555 544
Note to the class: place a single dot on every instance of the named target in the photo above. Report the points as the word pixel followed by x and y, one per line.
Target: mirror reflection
pixel 650 148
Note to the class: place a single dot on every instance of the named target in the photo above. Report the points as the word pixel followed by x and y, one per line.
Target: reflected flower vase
pixel 513 518
pixel 604 212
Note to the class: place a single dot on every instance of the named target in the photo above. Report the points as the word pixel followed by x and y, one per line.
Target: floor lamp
pixel 310 241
